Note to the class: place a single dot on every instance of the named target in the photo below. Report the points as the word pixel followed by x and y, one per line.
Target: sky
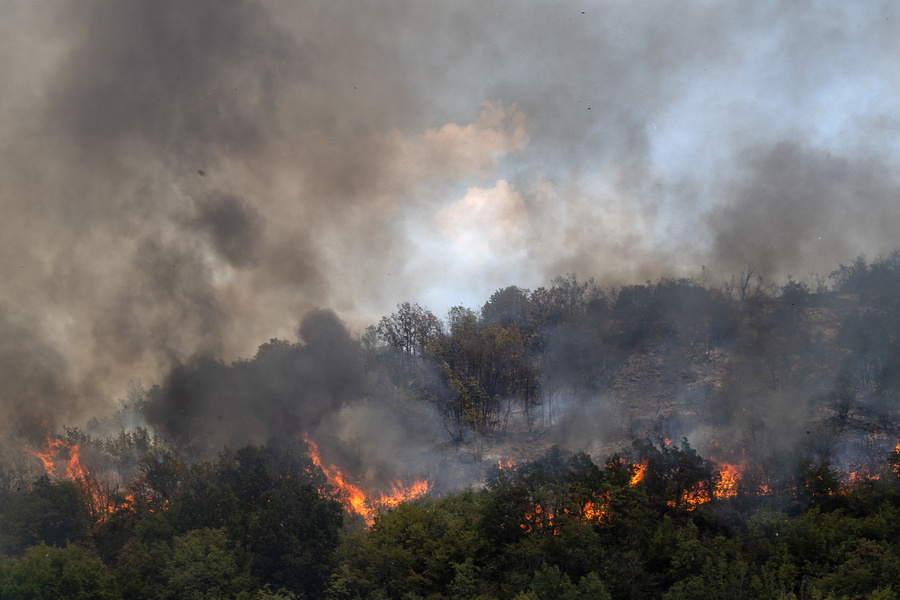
pixel 185 179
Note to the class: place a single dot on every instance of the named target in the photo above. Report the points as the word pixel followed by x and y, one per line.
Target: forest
pixel 721 437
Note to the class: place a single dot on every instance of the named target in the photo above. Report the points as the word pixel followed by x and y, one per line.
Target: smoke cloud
pixel 206 404
pixel 181 182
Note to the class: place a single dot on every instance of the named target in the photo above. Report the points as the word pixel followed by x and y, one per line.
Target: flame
pixel 404 494
pixel 639 472
pixel 505 465
pixel 726 487
pixel 895 460
pixel 355 500
pixel 543 518
pixel 61 459
pixel 540 518
pixel 596 511
pixel 694 498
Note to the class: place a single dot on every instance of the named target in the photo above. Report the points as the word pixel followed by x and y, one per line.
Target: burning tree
pixel 354 499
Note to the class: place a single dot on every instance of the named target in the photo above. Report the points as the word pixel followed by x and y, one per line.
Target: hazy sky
pixel 190 177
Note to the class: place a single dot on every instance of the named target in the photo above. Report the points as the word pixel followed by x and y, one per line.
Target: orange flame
pixel 404 494
pixel 694 498
pixel 543 518
pixel 355 500
pixel 639 472
pixel 61 459
pixel 895 460
pixel 726 487
pixel 596 511
pixel 540 518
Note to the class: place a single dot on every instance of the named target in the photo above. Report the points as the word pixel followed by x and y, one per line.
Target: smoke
pixel 33 374
pixel 181 182
pixel 317 387
pixel 206 405
pixel 794 205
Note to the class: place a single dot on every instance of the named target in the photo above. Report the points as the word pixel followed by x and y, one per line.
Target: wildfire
pixel 639 472
pixel 355 500
pixel 596 510
pixel 61 459
pixel 693 498
pixel 726 487
pixel 895 460
pixel 401 493
pixel 540 518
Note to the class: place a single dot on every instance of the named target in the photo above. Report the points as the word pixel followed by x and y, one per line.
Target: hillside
pixel 574 428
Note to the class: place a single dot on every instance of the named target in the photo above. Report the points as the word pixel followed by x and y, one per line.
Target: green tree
pixel 54 513
pixel 410 330
pixel 425 547
pixel 46 572
pixel 549 583
pixel 202 565
pixel 292 537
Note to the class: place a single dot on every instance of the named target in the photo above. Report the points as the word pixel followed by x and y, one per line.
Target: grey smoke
pixel 184 180
pixel 232 226
pixel 206 405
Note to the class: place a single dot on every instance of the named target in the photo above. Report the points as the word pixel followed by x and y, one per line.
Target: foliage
pixel 560 526
pixel 53 513
pixel 258 521
pixel 49 572
pixel 201 565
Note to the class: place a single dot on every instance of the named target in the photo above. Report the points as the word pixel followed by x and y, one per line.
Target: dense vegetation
pixel 256 524
pixel 564 527
pixel 801 379
pixel 246 525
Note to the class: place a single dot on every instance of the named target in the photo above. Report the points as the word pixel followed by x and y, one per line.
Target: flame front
pixel 692 499
pixel 726 487
pixel 639 472
pixel 355 500
pixel 401 493
pixel 61 459
pixel 596 510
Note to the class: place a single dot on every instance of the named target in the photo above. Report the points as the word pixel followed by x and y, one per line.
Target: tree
pixel 549 583
pixel 410 330
pixel 203 566
pixel 293 536
pixel 485 367
pixel 48 572
pixel 422 548
pixel 506 307
pixel 54 513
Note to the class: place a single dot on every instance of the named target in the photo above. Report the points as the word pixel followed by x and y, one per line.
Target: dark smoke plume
pixel 182 180
pixel 285 392
pixel 316 387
